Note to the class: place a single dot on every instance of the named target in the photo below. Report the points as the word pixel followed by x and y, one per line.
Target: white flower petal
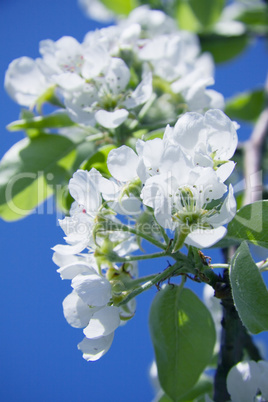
pixel 83 188
pixel 111 119
pixel 222 135
pixel 103 322
pixel 94 349
pixel 66 249
pixel 73 269
pixel 24 82
pixel 227 211
pixel 76 312
pixel 62 260
pixel 186 130
pixel 141 94
pixel 122 163
pixel 68 81
pixel 263 383
pixel 225 170
pixel 93 289
pixel 243 381
pixel 117 76
pixel 205 238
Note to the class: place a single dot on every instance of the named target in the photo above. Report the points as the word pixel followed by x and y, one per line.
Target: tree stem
pixel 235 340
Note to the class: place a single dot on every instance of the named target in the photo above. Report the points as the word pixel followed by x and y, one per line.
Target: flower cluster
pixel 115 71
pixel 90 305
pixel 179 180
pixel 183 176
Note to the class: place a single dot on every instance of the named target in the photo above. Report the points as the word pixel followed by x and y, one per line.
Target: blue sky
pixel 39 360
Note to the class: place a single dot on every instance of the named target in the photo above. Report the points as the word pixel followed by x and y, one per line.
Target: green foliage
pixel 99 160
pixel 223 48
pixel 246 106
pixel 250 224
pixel 186 18
pixel 196 15
pixel 48 97
pixel 255 18
pixel 249 291
pixel 39 123
pixel 27 169
pixel 183 336
pixel 120 7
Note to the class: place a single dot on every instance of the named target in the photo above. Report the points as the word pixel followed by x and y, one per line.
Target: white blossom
pixel 215 308
pixel 152 22
pixel 107 99
pixel 103 322
pixel 76 312
pixel 92 288
pixel 207 138
pixel 96 10
pixel 246 379
pixel 182 203
pixel 94 349
pixel 25 82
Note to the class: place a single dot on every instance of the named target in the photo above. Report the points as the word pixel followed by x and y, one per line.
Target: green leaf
pixel 223 48
pixel 249 291
pixel 27 170
pixel 120 7
pixel 203 386
pixel 206 12
pixel 164 398
pixel 186 18
pixel 49 97
pixel 255 18
pixel 99 160
pixel 56 120
pixel 183 336
pixel 246 106
pixel 251 224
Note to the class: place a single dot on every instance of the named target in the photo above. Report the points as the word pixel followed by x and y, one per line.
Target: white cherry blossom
pixel 25 82
pixel 96 10
pixel 94 349
pixel 168 55
pixel 207 138
pixel 76 312
pixel 107 99
pixel 181 202
pixel 245 379
pixel 92 288
pixel 152 22
pixel 103 322
pixel 72 265
pixel 79 226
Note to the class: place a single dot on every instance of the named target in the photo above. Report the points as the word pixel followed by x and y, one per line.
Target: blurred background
pixel 39 360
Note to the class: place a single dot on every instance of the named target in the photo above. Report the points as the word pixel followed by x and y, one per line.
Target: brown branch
pixel 234 337
pixel 253 149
